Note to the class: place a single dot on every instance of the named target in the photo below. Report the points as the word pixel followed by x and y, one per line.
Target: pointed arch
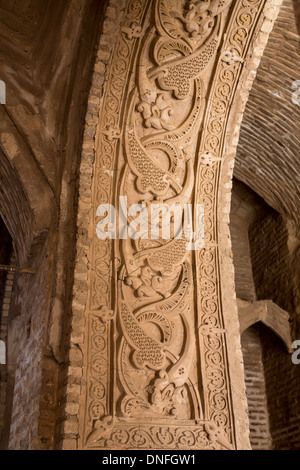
pixel 270 314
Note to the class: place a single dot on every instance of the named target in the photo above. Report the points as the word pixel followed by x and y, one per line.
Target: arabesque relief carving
pixel 156 372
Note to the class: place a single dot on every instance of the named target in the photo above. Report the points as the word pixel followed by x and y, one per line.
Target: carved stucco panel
pixel 155 352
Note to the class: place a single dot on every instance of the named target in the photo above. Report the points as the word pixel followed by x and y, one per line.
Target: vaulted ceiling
pixel 46 59
pixel 268 157
pixel 47 50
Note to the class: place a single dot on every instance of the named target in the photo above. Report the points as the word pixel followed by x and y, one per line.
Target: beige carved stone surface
pixel 155 352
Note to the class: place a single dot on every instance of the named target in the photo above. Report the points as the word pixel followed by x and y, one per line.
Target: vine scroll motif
pixel 157 348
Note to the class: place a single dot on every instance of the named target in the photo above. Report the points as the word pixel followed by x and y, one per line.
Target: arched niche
pixel 271 381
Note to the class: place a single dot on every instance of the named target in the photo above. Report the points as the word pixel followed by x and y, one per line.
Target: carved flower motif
pixel 157 115
pixel 147 284
pixel 132 31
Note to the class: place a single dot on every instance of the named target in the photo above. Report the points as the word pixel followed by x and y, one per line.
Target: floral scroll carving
pixel 157 366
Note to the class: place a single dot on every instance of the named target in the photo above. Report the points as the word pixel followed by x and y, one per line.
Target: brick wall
pixel 48 404
pixel 27 330
pixel 2 396
pixel 271 263
pixel 6 285
pixel 244 283
pixel 272 384
pixel 282 384
pixel 5 251
pixel 7 292
pixel 256 389
pixel 274 279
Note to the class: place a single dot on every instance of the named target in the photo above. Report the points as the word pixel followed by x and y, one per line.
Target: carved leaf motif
pixel 178 76
pixel 147 350
pixel 165 258
pixel 150 176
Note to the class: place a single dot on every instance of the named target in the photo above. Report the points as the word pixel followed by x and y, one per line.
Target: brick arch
pixel 268 313
pixel 26 200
